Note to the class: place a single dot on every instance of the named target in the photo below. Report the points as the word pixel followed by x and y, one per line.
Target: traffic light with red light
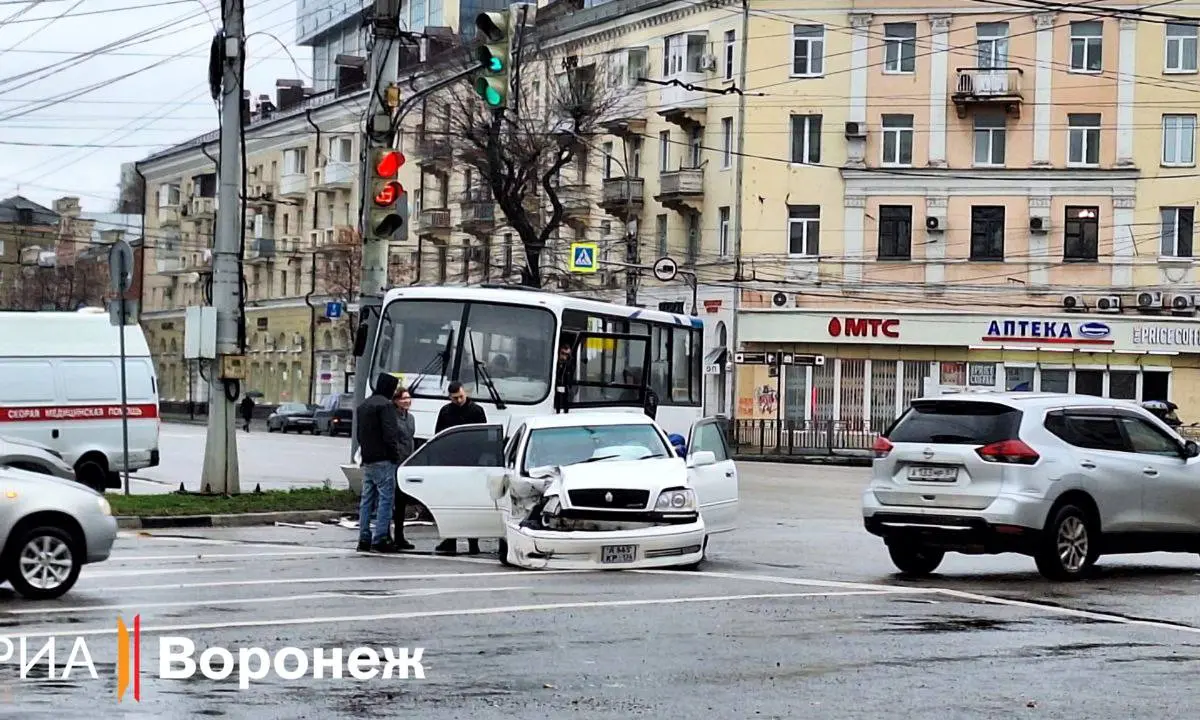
pixel 389 201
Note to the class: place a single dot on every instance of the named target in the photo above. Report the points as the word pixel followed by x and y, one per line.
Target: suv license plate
pixel 933 473
pixel 611 554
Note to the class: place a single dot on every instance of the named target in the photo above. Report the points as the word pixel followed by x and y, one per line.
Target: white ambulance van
pixel 60 385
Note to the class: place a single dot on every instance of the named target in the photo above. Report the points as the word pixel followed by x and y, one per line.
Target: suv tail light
pixel 882 447
pixel 1013 452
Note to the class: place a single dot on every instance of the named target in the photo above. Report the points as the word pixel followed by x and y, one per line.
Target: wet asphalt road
pixel 797 615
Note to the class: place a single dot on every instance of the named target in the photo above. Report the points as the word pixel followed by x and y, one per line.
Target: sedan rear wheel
pixel 43 563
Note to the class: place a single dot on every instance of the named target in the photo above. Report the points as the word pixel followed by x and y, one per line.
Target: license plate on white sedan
pixel 614 554
pixel 933 473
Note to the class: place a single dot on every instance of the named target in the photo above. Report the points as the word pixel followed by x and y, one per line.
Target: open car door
pixel 713 475
pixel 449 476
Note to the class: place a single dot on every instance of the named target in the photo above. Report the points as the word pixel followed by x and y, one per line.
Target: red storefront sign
pixel 864 327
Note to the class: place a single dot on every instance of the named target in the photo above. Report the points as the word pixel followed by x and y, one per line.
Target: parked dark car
pixel 291 416
pixel 335 416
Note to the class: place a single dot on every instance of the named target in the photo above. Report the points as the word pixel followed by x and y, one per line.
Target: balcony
pixel 202 208
pixel 293 185
pixel 434 223
pixel 989 88
pixel 168 215
pixel 478 214
pixel 626 118
pixel 333 239
pixel 623 199
pixel 168 262
pixel 197 262
pixel 337 175
pixel 683 107
pixel 576 201
pixel 433 148
pixel 681 190
pixel 261 250
pixel 261 194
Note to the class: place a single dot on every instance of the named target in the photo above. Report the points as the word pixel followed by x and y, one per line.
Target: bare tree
pixel 519 154
pixel 341 276
pixel 65 287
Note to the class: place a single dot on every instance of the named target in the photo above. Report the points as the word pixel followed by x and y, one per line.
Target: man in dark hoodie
pixel 461 410
pixel 379 444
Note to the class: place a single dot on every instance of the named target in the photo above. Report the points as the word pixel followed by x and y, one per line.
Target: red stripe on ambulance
pixel 142 411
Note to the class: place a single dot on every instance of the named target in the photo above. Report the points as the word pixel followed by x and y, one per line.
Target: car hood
pixel 27 443
pixel 32 480
pixel 649 474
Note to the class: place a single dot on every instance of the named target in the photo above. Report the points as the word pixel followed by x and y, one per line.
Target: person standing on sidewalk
pixel 408 431
pixel 379 445
pixel 461 410
pixel 247 411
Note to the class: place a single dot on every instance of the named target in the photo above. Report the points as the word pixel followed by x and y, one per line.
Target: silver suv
pixel 1061 478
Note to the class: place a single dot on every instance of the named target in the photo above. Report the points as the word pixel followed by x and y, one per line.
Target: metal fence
pixel 817 438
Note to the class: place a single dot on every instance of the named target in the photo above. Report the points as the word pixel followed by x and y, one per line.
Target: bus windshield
pixel 513 344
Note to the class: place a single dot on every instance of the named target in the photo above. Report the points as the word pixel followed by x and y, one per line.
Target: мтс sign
pixel 864 327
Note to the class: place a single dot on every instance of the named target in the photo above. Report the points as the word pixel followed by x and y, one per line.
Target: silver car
pixel 50 529
pixel 1060 478
pixel 34 457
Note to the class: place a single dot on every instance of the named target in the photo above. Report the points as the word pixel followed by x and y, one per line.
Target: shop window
pixel 853 393
pixel 1122 384
pixel 1056 381
pixel 823 385
pixel 883 394
pixel 1089 382
pixel 954 373
pixel 1154 385
pixel 1018 379
pixel 915 374
pixel 795 378
pixel 981 374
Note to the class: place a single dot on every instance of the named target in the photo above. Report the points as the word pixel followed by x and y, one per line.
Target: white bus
pixel 503 344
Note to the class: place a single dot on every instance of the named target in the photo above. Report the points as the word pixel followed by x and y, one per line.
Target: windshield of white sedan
pixel 570 445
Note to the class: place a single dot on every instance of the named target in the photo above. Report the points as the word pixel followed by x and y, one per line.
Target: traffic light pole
pixel 220 471
pixel 379 133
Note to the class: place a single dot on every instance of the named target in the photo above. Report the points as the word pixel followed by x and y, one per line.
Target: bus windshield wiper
pixel 440 355
pixel 481 369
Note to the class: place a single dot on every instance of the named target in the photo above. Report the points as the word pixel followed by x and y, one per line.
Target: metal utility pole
pixel 220 451
pixel 378 135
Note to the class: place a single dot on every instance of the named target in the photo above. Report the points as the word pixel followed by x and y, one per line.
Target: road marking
pixel 100 575
pixel 328 579
pixel 222 556
pixel 502 610
pixel 410 555
pixel 808 582
pixel 419 592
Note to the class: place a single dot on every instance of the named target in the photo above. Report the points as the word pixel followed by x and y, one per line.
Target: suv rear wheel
pixel 915 559
pixel 1069 546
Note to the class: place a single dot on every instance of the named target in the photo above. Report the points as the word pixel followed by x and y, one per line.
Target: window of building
pixel 636 61
pixel 1081 233
pixel 897 139
pixel 660 234
pixel 987 232
pixel 635 153
pixel 1087 41
pixel 1179 140
pixel 991 45
pixel 900 47
pixel 1176 223
pixel 727 142
pixel 608 159
pixel 664 151
pixel 696 146
pixel 1181 48
pixel 989 139
pixel 895 232
pixel 806 139
pixel 723 231
pixel 804 230
pixel 1083 139
pixel 808 50
pixel 730 45
pixel 683 53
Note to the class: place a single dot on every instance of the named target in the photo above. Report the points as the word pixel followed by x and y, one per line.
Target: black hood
pixel 385 385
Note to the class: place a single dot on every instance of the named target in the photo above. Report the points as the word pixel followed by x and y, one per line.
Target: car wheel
pixel 915 559
pixel 1069 546
pixel 93 473
pixel 43 563
pixel 502 552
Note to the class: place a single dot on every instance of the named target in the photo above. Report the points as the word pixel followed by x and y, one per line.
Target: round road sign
pixel 665 269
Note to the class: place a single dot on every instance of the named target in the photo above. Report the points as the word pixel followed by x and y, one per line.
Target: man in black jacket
pixel 461 410
pixel 379 445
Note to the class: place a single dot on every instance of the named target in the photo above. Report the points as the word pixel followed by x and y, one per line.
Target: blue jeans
pixel 378 496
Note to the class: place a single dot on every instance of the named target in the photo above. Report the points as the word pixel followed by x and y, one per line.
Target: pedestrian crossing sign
pixel 583 258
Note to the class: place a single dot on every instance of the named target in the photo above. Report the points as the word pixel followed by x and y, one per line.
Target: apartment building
pixel 1010 213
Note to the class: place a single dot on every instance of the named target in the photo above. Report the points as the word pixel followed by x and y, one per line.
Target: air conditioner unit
pixel 935 223
pixel 1183 302
pixel 1108 303
pixel 1150 300
pixel 1039 223
pixel 1074 303
pixel 708 62
pixel 856 130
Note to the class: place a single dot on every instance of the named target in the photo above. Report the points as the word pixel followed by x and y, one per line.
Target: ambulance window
pixel 91 380
pixel 26 381
pixel 137 381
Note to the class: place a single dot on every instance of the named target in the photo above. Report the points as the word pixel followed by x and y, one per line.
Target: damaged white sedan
pixel 587 491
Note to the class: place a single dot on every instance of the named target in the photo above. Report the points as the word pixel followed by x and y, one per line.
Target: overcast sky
pixel 163 101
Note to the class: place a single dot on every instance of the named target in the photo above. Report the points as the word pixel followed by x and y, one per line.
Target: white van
pixel 60 385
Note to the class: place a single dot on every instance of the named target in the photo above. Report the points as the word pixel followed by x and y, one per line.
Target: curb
pixel 134 522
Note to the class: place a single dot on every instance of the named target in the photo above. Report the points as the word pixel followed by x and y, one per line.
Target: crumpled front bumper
pixel 655 547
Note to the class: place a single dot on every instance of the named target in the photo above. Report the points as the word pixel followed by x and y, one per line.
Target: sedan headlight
pixel 104 506
pixel 676 500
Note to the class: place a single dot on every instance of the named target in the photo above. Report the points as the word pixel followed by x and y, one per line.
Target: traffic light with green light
pixel 389 203
pixel 496 28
